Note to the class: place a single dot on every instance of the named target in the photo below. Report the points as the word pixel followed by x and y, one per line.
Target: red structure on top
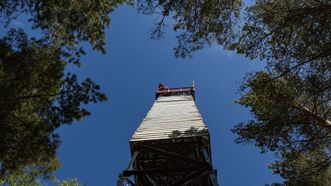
pixel 163 91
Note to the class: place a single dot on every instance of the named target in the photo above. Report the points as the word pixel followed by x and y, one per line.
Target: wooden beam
pixel 174 155
pixel 128 173
pixel 133 158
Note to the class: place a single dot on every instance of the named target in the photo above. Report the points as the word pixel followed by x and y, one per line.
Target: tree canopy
pixel 198 23
pixel 291 100
pixel 66 22
pixel 287 121
pixel 37 96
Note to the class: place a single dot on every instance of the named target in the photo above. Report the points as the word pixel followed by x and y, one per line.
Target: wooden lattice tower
pixel 172 144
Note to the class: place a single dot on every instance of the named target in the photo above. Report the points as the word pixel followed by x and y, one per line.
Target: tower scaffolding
pixel 172 144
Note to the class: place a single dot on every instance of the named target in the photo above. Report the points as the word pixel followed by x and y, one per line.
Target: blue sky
pixel 96 149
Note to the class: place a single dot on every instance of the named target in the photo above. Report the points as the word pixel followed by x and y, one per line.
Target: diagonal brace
pixel 191 176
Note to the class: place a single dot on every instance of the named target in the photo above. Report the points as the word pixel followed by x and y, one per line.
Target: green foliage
pixel 198 23
pixel 288 34
pixel 291 118
pixel 294 167
pixel 283 120
pixel 36 98
pixel 29 175
pixel 291 101
pixel 66 22
pixel 69 182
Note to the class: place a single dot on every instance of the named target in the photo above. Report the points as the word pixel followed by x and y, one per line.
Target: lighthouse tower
pixel 172 144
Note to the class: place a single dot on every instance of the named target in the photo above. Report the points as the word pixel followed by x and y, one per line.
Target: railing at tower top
pixel 175 91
